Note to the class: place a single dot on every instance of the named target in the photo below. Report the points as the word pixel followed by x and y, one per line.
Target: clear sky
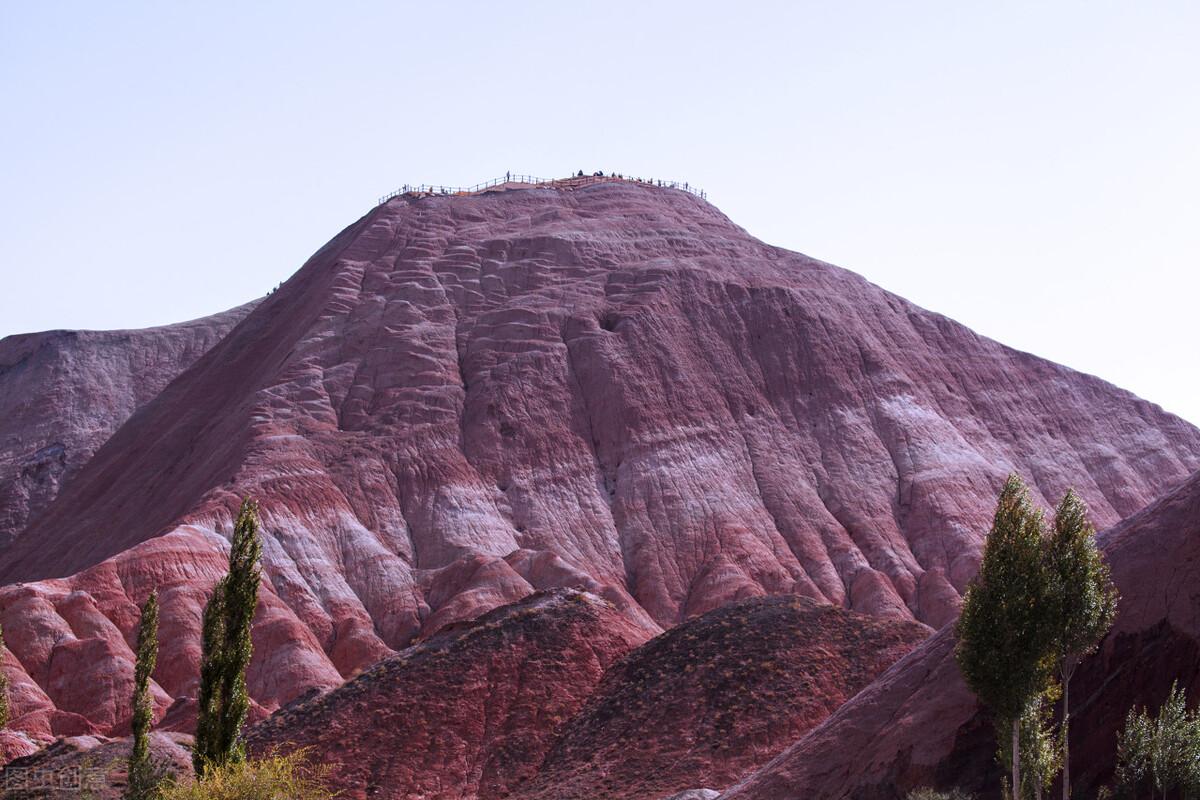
pixel 1031 169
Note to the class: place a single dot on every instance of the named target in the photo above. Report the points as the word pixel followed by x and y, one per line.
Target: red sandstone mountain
pixel 919 725
pixel 716 696
pixel 461 400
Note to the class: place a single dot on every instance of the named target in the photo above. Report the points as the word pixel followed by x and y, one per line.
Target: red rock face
pixel 470 712
pixel 919 725
pixel 461 400
pixel 63 393
pixel 716 696
pixel 70 641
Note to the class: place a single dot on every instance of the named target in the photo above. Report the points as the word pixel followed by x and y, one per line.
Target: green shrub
pixel 1161 753
pixel 933 794
pixel 275 777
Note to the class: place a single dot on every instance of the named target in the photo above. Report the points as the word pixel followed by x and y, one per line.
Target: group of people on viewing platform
pixel 570 182
pixel 648 181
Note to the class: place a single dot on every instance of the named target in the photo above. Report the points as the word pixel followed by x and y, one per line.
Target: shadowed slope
pixel 918 724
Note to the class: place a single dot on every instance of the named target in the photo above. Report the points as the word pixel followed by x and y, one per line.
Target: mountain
pixel 461 400
pixel 919 725
pixel 63 393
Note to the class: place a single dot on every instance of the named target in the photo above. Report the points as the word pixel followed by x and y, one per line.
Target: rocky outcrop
pixel 63 393
pixel 468 713
pixel 919 725
pixel 462 400
pixel 70 641
pixel 89 767
pixel 716 696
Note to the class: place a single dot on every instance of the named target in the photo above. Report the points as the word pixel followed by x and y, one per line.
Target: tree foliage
pixel 226 649
pixel 144 775
pixel 1160 753
pixel 3 686
pixel 1084 601
pixel 1006 633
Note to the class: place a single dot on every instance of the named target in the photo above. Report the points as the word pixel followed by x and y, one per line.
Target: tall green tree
pixel 1085 602
pixel 1006 633
pixel 144 776
pixel 3 686
pixel 226 650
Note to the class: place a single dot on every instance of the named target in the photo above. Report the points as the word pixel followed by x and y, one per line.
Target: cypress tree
pixel 1005 633
pixel 226 650
pixel 143 775
pixel 1084 598
pixel 206 749
pixel 3 686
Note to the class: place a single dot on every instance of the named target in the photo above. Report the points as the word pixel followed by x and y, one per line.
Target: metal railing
pixel 573 182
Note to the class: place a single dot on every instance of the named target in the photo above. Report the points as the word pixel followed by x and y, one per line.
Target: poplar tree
pixel 3 686
pixel 1085 602
pixel 226 650
pixel 1005 633
pixel 144 776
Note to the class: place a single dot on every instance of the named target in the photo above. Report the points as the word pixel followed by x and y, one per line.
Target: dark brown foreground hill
pixel 469 713
pixel 716 696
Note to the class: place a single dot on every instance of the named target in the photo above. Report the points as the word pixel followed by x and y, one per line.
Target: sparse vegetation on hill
pixel 933 794
pixel 3 686
pixel 275 777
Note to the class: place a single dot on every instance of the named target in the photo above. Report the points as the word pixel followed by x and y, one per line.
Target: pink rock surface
pixel 70 641
pixel 460 400
pixel 63 393
pixel 919 725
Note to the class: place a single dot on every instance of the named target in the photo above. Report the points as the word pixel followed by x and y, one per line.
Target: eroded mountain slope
pixel 63 393
pixel 461 400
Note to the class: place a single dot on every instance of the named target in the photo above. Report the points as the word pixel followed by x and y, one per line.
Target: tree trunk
pixel 1066 728
pixel 1016 758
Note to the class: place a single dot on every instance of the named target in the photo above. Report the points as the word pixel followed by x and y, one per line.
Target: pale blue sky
pixel 1030 169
